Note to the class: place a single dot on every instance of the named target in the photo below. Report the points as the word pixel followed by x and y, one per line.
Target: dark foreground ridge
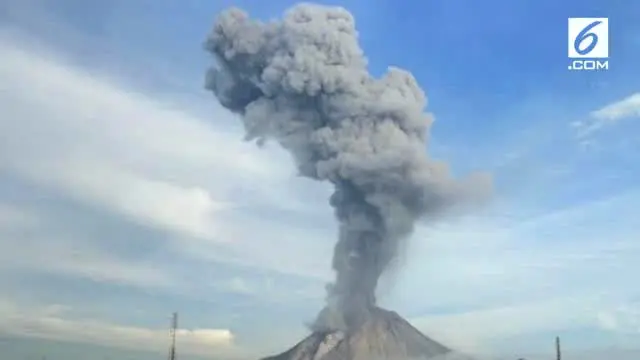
pixel 383 336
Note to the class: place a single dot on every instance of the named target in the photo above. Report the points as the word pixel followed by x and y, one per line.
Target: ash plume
pixel 303 82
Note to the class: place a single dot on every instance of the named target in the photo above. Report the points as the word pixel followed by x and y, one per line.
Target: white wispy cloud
pixel 57 322
pixel 74 132
pixel 85 137
pixel 608 115
pixel 622 109
pixel 58 256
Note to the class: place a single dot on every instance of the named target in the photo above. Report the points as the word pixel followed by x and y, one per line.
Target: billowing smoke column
pixel 303 81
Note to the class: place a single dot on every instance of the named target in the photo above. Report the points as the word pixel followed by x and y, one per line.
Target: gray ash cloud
pixel 303 82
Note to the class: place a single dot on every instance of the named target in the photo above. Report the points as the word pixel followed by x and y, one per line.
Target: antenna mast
pixel 558 353
pixel 172 334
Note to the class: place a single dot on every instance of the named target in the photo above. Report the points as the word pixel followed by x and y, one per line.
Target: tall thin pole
pixel 558 353
pixel 172 334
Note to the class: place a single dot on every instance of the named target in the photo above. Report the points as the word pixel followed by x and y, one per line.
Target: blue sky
pixel 126 192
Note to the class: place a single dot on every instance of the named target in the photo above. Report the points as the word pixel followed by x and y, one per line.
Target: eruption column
pixel 303 82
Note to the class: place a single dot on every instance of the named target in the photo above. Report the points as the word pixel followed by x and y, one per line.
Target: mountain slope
pixel 384 335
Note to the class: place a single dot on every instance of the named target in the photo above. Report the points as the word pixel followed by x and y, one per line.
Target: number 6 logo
pixel 588 38
pixel 584 35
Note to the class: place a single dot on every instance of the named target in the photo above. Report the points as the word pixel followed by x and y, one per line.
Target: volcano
pixel 384 335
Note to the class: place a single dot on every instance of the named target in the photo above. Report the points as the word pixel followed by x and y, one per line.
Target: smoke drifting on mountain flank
pixel 303 82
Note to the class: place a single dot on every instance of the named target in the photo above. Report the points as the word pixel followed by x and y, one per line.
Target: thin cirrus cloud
pixel 623 109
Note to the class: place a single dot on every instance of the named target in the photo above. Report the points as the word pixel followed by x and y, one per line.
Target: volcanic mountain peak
pixel 383 336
